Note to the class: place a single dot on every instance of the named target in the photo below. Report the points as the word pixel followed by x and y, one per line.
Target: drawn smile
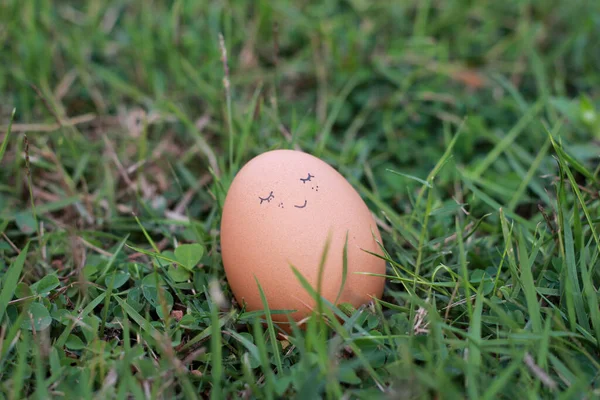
pixel 302 206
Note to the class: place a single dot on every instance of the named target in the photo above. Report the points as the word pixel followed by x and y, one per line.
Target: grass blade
pixel 463 266
pixel 264 359
pixel 216 352
pixel 529 177
pixel 270 327
pixel 10 280
pixel 528 284
pixel 414 178
pixel 582 202
pixel 4 144
pixel 572 289
pixel 158 255
pixel 138 319
pixel 320 274
pixel 46 207
pixel 88 309
pixel 18 374
pixel 502 379
pixel 344 270
pixel 147 235
pixel 592 300
pixel 112 259
pixel 338 104
pixel 474 365
pixel 40 372
pixel 573 286
pixel 508 139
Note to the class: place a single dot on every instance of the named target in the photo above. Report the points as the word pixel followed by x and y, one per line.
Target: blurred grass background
pixel 470 128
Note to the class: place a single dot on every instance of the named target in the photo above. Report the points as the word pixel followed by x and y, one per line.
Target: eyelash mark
pixel 267 199
pixel 307 179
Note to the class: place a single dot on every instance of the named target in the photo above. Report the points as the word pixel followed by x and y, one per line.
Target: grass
pixel 471 129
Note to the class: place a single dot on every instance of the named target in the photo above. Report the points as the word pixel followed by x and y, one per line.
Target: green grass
pixel 471 129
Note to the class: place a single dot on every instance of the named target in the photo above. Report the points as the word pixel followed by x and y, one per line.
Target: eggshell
pixel 279 211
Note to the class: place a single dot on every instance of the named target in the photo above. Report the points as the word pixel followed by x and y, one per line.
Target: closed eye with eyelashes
pixel 307 179
pixel 267 199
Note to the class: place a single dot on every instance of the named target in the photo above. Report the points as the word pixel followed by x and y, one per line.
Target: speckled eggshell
pixel 278 212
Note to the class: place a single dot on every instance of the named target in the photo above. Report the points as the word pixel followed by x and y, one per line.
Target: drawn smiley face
pixel 281 210
pixel 309 179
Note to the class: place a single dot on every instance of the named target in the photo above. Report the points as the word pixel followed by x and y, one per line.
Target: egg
pixel 280 210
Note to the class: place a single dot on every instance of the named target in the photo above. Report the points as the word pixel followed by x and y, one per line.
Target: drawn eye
pixel 267 199
pixel 307 179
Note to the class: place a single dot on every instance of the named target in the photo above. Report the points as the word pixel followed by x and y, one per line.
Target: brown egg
pixel 279 211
